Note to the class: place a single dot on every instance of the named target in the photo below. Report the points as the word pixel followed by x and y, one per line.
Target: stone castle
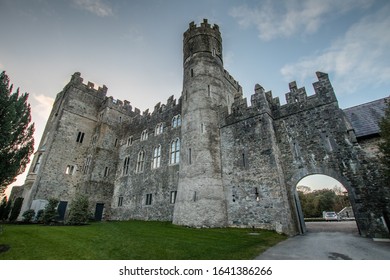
pixel 207 159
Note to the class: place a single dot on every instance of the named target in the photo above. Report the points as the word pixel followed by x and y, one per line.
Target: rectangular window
pixel 115 142
pixel 189 156
pixel 87 163
pixel 120 201
pixel 140 162
pixel 130 141
pixel 69 170
pixel 80 137
pixel 173 197
pixel 156 157
pixel 148 199
pixel 106 171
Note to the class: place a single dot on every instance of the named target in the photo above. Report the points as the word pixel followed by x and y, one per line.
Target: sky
pixel 135 47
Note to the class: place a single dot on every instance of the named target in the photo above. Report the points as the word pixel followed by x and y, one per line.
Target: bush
pixel 28 215
pixel 39 217
pixel 50 214
pixel 16 209
pixel 79 211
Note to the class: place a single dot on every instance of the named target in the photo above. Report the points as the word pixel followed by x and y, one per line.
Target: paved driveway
pixel 329 241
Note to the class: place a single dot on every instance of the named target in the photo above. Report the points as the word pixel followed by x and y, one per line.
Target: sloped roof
pixel 365 118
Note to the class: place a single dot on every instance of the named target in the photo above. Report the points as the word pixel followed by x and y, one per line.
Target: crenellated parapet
pixel 297 100
pixel 77 81
pixel 232 81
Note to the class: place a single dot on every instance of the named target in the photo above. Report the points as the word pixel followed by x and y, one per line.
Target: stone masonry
pixel 207 159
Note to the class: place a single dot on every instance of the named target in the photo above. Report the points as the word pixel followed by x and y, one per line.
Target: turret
pixel 206 88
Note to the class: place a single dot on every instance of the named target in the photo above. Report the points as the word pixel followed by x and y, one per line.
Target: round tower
pixel 200 197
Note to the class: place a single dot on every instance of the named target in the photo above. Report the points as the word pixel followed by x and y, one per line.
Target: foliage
pixel 135 240
pixel 28 215
pixel 6 210
pixel 384 146
pixel 79 211
pixel 50 214
pixel 16 209
pixel 39 217
pixel 16 133
pixel 313 203
pixel 3 204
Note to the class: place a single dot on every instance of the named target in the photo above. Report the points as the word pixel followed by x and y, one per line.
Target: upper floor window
pixel 80 137
pixel 129 141
pixel 70 169
pixel 126 164
pixel 140 162
pixel 106 171
pixel 87 164
pixel 176 121
pixel 175 151
pixel 144 135
pixel 156 157
pixel 159 129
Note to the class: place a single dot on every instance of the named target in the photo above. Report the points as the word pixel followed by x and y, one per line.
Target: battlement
pixel 204 27
pixel 121 106
pixel 232 81
pixel 297 100
pixel 77 81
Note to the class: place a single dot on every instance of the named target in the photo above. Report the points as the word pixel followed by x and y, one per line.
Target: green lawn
pixel 133 240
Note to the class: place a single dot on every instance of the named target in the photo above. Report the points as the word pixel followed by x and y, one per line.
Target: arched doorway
pixel 318 195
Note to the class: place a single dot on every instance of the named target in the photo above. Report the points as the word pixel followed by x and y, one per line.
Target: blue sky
pixel 135 47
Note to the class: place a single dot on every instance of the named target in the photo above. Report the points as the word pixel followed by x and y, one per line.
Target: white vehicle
pixel 331 216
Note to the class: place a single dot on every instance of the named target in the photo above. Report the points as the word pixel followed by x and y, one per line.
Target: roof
pixel 365 118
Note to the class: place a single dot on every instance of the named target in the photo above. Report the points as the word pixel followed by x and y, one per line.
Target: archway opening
pixel 323 205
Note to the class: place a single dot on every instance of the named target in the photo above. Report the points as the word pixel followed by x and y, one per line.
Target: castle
pixel 204 160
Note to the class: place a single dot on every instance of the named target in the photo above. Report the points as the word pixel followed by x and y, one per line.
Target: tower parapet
pixel 203 38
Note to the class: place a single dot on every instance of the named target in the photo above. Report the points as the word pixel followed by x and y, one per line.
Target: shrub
pixel 28 215
pixel 16 209
pixel 79 211
pixel 39 217
pixel 50 214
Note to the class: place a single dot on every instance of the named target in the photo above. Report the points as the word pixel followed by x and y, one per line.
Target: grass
pixel 133 240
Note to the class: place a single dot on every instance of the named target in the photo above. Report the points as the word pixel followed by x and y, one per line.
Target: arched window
pixel 140 162
pixel 144 135
pixel 126 164
pixel 156 157
pixel 175 151
pixel 176 121
pixel 159 129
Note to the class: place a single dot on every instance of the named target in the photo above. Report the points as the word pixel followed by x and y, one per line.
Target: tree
pixel 16 209
pixel 384 146
pixel 16 133
pixel 50 214
pixel 79 211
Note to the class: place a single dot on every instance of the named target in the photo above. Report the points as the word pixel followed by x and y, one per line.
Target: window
pixel 37 163
pixel 192 72
pixel 126 164
pixel 148 199
pixel 144 135
pixel 176 121
pixel 94 139
pixel 172 199
pixel 116 142
pixel 120 201
pixel 80 137
pixel 106 171
pixel 159 129
pixel 156 157
pixel 130 141
pixel 175 151
pixel 140 162
pixel 189 156
pixel 69 170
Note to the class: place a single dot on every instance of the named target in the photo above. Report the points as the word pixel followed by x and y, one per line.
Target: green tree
pixel 16 209
pixel 384 146
pixel 50 214
pixel 16 133
pixel 79 211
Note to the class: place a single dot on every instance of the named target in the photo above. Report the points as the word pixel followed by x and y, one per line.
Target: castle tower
pixel 207 88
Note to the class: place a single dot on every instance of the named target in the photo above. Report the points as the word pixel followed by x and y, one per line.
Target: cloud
pixel 357 59
pixel 96 7
pixel 274 19
pixel 41 105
